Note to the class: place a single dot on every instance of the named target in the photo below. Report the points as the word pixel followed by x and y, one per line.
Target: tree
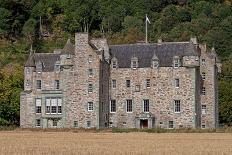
pixel 29 29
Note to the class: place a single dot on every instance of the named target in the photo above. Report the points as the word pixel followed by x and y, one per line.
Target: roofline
pixel 184 42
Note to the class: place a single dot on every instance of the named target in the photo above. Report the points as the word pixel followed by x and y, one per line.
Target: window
pixel 128 105
pixel 90 106
pixel 57 68
pixel 203 109
pixel 114 64
pixel 146 105
pixel 203 91
pixel 55 122
pixel 148 83
pixel 177 106
pixel 75 124
pixel 176 63
pixel 203 126
pixel 128 83
pixel 113 106
pixel 177 83
pixel 113 83
pixel 68 56
pixel 57 84
pixel 90 88
pixel 39 67
pixel 155 63
pixel 203 61
pixel 134 64
pixel 53 106
pixel 88 124
pixel 27 70
pixel 38 103
pixel 38 84
pixel 90 58
pixel 137 88
pixel 90 72
pixel 203 75
pixel 27 82
pixel 38 122
pixel 170 125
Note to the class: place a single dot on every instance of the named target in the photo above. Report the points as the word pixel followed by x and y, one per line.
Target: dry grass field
pixel 65 143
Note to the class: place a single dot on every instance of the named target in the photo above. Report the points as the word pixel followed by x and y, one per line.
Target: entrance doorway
pixel 143 123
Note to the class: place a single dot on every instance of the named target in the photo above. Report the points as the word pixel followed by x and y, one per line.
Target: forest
pixel 47 24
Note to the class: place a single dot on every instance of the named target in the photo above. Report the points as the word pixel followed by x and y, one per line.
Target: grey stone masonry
pixel 91 84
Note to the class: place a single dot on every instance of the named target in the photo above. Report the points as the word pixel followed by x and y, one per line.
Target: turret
pixel 67 54
pixel 191 57
pixel 29 68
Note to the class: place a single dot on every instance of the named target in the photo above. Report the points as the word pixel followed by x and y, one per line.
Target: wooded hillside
pixel 46 24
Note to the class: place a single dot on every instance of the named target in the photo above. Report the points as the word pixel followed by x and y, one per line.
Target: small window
pixel 124 123
pixel 90 72
pixel 114 83
pixel 114 64
pixel 134 64
pixel 203 91
pixel 54 106
pixel 55 122
pixel 75 124
pixel 38 103
pixel 57 68
pixel 128 105
pixel 90 88
pixel 48 106
pixel 137 88
pixel 176 63
pixel 203 126
pixel 27 70
pixel 57 84
pixel 146 105
pixel 177 106
pixel 203 61
pixel 27 82
pixel 90 106
pixel 90 58
pixel 203 109
pixel 113 106
pixel 128 84
pixel 170 125
pixel 203 75
pixel 38 84
pixel 148 83
pixel 177 83
pixel 155 63
pixel 88 124
pixel 38 123
pixel 68 56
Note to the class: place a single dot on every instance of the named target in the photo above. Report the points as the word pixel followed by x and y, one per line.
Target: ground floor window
pixel 170 125
pixel 75 124
pixel 88 124
pixel 55 122
pixel 38 123
pixel 128 105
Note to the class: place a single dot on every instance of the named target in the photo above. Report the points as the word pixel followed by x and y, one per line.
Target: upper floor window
pixel 68 56
pixel 203 91
pixel 134 63
pixel 128 84
pixel 27 70
pixel 27 82
pixel 148 83
pixel 90 106
pixel 90 88
pixel 38 84
pixel 177 106
pixel 90 72
pixel 137 88
pixel 114 83
pixel 146 105
pixel 176 63
pixel 203 75
pixel 57 84
pixel 203 109
pixel 177 83
pixel 38 103
pixel 90 58
pixel 57 68
pixel 114 64
pixel 53 106
pixel 155 63
pixel 202 61
pixel 113 106
pixel 128 105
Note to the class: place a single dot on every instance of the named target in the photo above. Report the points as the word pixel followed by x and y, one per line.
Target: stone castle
pixel 95 85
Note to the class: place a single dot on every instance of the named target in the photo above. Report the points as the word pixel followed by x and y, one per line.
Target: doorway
pixel 143 123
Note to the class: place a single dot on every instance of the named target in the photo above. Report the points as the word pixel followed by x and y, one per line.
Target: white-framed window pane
pixel 128 83
pixel 203 109
pixel 90 88
pixel 177 83
pixel 113 106
pixel 148 83
pixel 128 105
pixel 90 58
pixel 146 105
pixel 55 122
pixel 203 91
pixel 114 64
pixel 203 75
pixel 114 83
pixel 75 124
pixel 90 106
pixel 203 61
pixel 90 72
pixel 38 84
pixel 38 122
pixel 176 63
pixel 48 105
pixel 38 103
pixel 170 124
pixel 88 124
pixel 177 106
pixel 134 64
pixel 57 84
pixel 53 106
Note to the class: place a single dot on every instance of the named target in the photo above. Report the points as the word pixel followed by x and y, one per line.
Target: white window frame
pixel 176 63
pixel 36 122
pixel 57 84
pixel 75 124
pixel 90 106
pixel 128 83
pixel 38 104
pixel 203 74
pixel 177 106
pixel 203 61
pixel 88 124
pixel 203 91
pixel 39 88
pixel 113 102
pixel 177 83
pixel 90 59
pixel 129 106
pixel 114 64
pixel 148 83
pixel 134 64
pixel 170 124
pixel 90 88
pixel 146 105
pixel 203 110
pixel 27 82
pixel 155 63
pixel 53 102
pixel 114 83
pixel 90 72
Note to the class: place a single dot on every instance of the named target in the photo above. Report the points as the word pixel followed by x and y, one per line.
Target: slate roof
pixel 144 52
pixel 47 59
pixel 69 48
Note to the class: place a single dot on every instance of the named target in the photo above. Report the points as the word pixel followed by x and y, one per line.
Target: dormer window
pixel 57 68
pixel 176 62
pixel 39 67
pixel 155 63
pixel 114 63
pixel 134 63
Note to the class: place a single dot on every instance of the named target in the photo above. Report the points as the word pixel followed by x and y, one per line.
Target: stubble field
pixel 65 143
